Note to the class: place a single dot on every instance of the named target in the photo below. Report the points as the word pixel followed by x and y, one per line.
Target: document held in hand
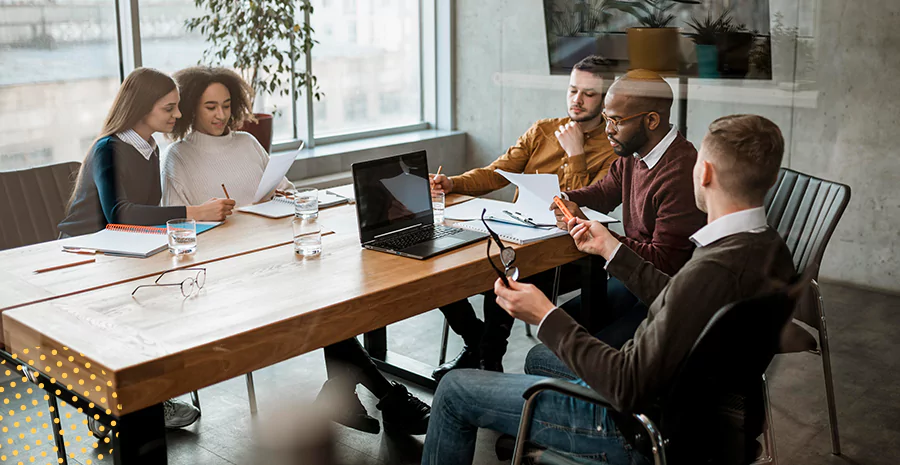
pixel 277 167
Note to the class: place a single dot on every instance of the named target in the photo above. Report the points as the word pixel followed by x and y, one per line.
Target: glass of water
pixel 182 234
pixel 437 205
pixel 306 203
pixel 307 237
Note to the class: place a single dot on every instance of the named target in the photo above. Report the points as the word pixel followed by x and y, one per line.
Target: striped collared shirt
pixel 132 138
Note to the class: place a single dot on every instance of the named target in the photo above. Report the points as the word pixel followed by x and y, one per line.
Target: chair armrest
pixel 568 389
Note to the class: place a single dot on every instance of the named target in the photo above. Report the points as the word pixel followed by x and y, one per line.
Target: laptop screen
pixel 392 193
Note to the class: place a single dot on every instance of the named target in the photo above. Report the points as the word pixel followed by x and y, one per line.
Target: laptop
pixel 393 208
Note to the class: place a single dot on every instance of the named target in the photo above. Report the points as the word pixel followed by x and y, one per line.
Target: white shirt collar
pixel 657 152
pixel 134 139
pixel 750 220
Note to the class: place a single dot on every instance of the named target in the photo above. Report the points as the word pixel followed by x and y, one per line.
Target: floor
pixel 865 346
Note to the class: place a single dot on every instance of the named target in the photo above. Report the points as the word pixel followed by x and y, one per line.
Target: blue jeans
pixel 470 399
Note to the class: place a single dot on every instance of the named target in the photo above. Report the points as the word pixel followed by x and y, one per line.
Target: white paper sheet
pixel 277 167
pixel 536 192
pixel 471 210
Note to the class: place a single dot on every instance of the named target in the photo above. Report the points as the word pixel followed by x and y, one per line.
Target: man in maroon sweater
pixel 651 179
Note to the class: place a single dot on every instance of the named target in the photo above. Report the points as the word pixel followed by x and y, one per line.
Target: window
pixel 59 75
pixel 167 45
pixel 378 55
pixel 61 69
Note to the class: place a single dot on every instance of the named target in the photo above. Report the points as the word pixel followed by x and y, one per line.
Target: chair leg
pixel 57 429
pixel 826 368
pixel 445 333
pixel 251 393
pixel 769 433
pixel 195 399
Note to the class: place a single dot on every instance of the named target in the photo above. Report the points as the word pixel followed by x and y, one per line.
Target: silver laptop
pixel 393 207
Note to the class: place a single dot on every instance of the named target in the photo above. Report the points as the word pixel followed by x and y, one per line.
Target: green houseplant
pixel 264 41
pixel 655 44
pixel 706 36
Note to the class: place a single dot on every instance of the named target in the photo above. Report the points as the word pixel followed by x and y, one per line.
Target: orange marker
pixel 562 207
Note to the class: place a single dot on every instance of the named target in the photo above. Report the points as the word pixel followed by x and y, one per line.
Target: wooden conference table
pixel 120 356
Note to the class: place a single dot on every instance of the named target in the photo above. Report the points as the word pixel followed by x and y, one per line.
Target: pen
pixel 226 192
pixel 438 171
pixel 68 265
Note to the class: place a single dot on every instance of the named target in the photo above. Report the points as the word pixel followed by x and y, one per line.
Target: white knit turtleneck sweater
pixel 195 168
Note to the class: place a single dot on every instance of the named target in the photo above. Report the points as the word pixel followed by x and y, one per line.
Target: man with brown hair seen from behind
pixel 577 150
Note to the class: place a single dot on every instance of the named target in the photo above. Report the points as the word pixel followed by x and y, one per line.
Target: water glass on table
pixel 306 203
pixel 307 237
pixel 182 235
pixel 437 206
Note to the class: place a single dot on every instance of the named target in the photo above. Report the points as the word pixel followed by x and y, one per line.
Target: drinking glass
pixel 307 237
pixel 437 206
pixel 182 235
pixel 306 203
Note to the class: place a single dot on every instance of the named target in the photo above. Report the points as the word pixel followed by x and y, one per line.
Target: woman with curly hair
pixel 210 151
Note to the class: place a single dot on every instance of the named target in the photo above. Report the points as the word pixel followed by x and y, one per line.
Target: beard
pixel 586 116
pixel 629 147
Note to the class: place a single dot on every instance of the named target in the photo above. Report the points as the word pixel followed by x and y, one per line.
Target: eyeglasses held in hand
pixel 507 255
pixel 187 286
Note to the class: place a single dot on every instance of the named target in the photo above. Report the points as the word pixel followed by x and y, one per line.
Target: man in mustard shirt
pixel 577 150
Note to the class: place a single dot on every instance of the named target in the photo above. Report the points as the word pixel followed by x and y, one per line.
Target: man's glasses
pixel 187 286
pixel 507 255
pixel 617 121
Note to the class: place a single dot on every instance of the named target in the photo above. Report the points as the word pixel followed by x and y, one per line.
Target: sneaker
pixel 95 426
pixel 468 358
pixel 345 408
pixel 179 414
pixel 403 412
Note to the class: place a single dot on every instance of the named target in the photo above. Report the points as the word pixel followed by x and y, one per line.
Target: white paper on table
pixel 471 210
pixel 276 169
pixel 594 215
pixel 536 192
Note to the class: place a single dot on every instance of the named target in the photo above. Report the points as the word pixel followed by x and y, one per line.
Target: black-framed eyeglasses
pixel 187 286
pixel 507 255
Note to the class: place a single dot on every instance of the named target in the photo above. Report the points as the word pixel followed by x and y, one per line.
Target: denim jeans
pixel 470 399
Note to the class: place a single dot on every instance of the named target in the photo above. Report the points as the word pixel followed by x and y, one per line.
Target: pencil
pixel 439 170
pixel 226 192
pixel 67 265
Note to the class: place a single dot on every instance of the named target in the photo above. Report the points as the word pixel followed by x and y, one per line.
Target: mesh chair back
pixel 805 210
pixel 33 202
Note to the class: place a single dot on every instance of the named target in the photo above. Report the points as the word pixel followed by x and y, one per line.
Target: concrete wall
pixel 842 126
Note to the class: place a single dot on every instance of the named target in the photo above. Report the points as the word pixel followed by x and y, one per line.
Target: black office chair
pixel 805 211
pixel 715 409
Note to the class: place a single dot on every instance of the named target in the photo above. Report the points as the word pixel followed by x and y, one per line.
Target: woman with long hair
pixel 215 101
pixel 210 151
pixel 119 181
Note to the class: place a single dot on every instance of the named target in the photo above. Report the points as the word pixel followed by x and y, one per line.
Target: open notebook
pixel 129 240
pixel 281 207
pixel 513 233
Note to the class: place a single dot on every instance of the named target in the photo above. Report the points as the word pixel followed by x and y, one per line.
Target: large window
pixel 367 63
pixel 61 69
pixel 59 74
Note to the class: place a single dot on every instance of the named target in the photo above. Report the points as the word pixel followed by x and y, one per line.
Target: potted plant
pixel 655 45
pixel 569 42
pixel 706 36
pixel 262 40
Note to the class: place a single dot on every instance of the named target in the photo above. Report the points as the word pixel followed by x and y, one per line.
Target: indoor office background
pixel 464 79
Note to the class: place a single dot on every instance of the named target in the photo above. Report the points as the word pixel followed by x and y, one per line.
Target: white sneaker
pixel 179 414
pixel 95 426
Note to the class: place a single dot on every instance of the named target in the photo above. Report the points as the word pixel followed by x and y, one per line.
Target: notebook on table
pixel 282 207
pixel 123 240
pixel 513 233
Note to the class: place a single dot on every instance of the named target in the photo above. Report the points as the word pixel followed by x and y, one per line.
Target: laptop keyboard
pixel 417 236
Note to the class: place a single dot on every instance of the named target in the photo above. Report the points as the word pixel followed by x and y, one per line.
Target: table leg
pixel 593 293
pixel 395 364
pixel 140 438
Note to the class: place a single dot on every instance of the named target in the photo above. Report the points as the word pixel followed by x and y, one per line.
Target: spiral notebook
pixel 513 233
pixel 124 240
